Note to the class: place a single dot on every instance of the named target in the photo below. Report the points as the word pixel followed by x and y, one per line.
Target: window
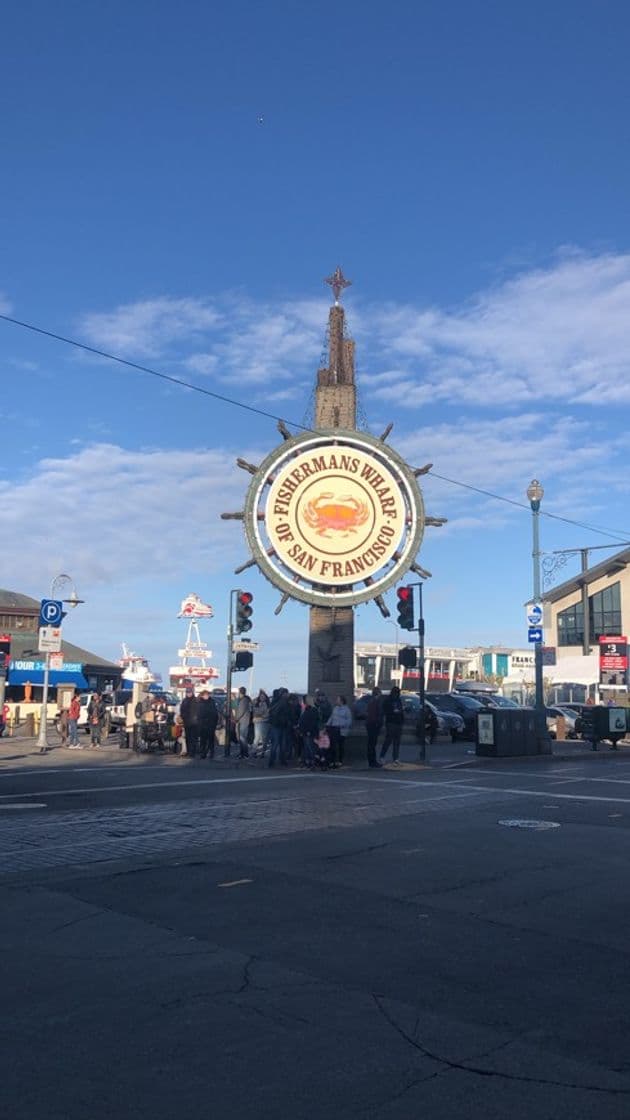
pixel 604 609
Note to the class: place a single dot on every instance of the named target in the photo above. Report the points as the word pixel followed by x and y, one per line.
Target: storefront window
pixel 604 617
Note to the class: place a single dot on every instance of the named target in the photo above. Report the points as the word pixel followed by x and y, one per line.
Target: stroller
pixel 323 754
pixel 154 735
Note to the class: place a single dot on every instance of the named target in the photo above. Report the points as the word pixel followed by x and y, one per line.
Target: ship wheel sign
pixel 334 518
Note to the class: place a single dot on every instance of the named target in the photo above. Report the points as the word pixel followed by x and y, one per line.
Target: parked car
pixel 571 719
pixel 449 723
pixel 465 706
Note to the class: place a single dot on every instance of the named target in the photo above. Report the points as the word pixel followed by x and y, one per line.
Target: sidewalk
pixel 442 754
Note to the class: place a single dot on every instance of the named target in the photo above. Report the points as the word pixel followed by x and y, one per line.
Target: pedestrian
pixel 430 724
pixel 339 725
pixel 4 719
pixel 243 716
pixel 323 705
pixel 309 730
pixel 279 721
pixel 208 720
pixel 189 714
pixel 260 713
pixel 95 716
pixel 293 737
pixel 393 714
pixel 373 726
pixel 62 723
pixel 74 711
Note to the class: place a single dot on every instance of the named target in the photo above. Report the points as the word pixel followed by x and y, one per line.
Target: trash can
pixel 506 733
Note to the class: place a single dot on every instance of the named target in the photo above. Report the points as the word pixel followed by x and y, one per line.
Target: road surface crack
pixel 479 1071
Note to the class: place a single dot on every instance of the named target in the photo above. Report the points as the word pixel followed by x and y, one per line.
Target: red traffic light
pixel 405 594
pixel 245 598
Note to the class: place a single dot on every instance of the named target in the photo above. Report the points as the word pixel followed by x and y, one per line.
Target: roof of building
pixel 609 567
pixel 22 647
pixel 14 599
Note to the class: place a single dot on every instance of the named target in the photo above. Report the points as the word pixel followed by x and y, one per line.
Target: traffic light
pixel 244 611
pixel 407 657
pixel 406 619
pixel 243 659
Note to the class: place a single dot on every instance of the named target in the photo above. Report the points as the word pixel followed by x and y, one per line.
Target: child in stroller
pixel 155 732
pixel 322 750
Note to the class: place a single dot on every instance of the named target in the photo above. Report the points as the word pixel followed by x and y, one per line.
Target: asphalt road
pixel 181 941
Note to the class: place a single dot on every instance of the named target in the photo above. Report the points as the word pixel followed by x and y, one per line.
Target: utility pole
pixel 228 675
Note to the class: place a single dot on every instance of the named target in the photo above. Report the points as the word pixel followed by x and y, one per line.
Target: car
pixel 465 706
pixel 449 723
pixel 570 718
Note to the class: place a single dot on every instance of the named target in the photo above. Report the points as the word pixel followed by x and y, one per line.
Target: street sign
pixel 534 614
pixel 240 645
pixel 49 639
pixel 50 612
pixel 56 661
pixel 535 634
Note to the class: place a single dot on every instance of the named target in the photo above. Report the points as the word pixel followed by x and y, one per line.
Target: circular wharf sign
pixel 334 518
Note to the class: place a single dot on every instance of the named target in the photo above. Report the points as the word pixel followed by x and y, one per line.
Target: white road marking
pixel 153 785
pixel 235 883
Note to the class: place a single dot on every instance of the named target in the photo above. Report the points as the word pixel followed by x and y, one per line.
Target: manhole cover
pixel 537 826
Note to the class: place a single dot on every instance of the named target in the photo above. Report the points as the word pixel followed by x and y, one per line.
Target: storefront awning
pixel 32 672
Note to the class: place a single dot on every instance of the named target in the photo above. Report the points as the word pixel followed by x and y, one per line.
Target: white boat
pixel 136 669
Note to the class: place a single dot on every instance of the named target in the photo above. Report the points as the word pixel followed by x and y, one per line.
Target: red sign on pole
pixel 5 651
pixel 613 661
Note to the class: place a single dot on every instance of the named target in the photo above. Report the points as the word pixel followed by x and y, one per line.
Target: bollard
pixel 29 725
pixel 561 727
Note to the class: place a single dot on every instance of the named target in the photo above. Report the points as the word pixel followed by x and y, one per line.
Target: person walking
pixel 243 719
pixel 373 725
pixel 393 715
pixel 95 715
pixel 260 713
pixel 309 730
pixel 74 711
pixel 339 725
pixel 208 720
pixel 189 713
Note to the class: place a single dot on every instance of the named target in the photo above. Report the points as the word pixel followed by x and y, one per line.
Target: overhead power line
pixel 183 384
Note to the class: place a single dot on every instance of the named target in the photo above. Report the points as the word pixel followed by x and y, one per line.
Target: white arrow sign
pixel 240 644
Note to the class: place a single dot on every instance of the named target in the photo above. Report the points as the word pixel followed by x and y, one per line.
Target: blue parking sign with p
pixel 50 612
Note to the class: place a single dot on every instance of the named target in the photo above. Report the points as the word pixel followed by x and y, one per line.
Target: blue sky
pixel 466 163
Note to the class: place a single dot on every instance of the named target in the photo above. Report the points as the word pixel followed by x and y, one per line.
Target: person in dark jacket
pixel 309 730
pixel 280 723
pixel 373 725
pixel 189 713
pixel 95 717
pixel 208 720
pixel 393 714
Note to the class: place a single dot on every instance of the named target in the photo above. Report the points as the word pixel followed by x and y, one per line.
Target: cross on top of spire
pixel 337 282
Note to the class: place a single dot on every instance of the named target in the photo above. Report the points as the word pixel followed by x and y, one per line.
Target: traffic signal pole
pixel 228 675
pixel 423 752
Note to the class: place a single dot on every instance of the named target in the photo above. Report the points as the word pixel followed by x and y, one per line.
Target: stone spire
pixel 336 398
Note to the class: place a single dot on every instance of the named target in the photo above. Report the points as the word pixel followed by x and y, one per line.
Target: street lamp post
pixel 72 601
pixel 535 494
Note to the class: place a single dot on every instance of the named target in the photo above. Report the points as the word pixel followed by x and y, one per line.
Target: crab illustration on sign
pixel 340 516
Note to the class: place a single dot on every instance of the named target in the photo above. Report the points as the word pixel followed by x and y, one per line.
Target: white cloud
pixel 557 333
pixel 149 327
pixel 109 515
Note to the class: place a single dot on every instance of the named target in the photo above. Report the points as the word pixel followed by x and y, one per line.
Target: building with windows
pixel 19 618
pixel 593 604
pixel 376 663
